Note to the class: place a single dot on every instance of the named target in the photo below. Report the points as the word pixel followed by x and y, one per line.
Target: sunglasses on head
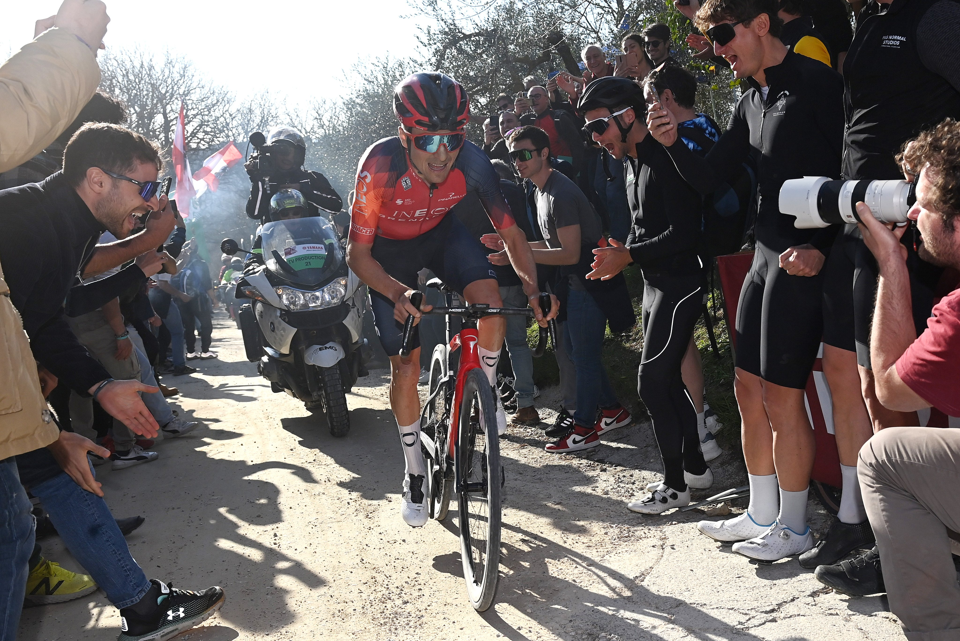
pixel 147 189
pixel 524 155
pixel 722 34
pixel 652 44
pixel 430 143
pixel 599 126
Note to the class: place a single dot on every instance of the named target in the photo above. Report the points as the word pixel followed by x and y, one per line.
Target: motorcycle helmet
pixel 287 199
pixel 236 263
pixel 432 101
pixel 289 136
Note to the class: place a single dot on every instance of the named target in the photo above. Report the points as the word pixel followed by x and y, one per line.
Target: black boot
pixel 840 540
pixel 859 576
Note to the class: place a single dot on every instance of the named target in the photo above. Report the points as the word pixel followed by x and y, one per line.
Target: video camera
pixel 261 164
pixel 817 201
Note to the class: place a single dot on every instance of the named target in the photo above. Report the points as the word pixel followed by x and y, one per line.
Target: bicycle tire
pixel 478 462
pixel 439 479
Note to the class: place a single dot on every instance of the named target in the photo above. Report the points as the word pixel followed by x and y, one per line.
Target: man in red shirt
pixel 909 475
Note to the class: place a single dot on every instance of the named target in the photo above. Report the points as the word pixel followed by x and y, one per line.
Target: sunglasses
pixel 722 34
pixel 652 44
pixel 524 155
pixel 600 125
pixel 147 189
pixel 430 143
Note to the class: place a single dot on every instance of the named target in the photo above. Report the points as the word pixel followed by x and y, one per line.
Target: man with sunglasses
pixel 656 42
pixel 406 187
pixel 565 141
pixel 791 117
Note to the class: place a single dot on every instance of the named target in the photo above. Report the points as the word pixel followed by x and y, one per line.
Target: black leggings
pixel 671 306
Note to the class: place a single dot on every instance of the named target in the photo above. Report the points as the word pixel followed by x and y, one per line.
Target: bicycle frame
pixel 469 340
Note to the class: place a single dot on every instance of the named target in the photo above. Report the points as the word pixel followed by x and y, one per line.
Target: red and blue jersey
pixel 394 202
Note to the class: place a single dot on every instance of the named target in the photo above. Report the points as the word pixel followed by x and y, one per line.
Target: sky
pixel 298 49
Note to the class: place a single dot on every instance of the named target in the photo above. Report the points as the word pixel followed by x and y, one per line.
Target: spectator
pixel 908 474
pixel 571 229
pixel 504 102
pixel 596 63
pixel 799 34
pixel 508 122
pixel 529 82
pixel 565 141
pixel 521 104
pixel 636 63
pixel 656 42
pixel 197 299
pixel 493 144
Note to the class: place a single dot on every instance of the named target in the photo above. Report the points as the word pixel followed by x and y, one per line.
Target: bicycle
pixel 459 456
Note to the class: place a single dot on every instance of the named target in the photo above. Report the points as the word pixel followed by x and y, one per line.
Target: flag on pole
pixel 226 157
pixel 185 191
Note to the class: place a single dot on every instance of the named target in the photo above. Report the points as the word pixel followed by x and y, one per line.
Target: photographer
pixel 279 164
pixel 909 474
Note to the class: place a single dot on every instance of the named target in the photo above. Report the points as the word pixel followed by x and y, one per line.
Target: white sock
pixel 764 500
pixel 793 510
pixel 701 426
pixel 489 361
pixel 851 501
pixel 412 456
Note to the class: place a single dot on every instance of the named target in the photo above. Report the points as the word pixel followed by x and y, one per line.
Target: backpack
pixel 729 212
pixel 188 281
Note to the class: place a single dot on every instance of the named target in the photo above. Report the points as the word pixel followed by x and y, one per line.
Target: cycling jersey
pixel 393 202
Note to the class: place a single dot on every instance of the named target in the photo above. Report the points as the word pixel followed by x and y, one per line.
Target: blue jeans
pixel 17 528
pixel 583 333
pixel 521 356
pixel 87 528
pixel 174 324
pixel 155 402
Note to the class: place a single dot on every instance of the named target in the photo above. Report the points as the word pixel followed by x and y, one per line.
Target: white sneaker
pixel 413 504
pixel 739 528
pixel 424 376
pixel 208 354
pixel 136 456
pixel 710 420
pixel 778 542
pixel 178 427
pixel 193 355
pixel 710 447
pixel 698 481
pixel 659 500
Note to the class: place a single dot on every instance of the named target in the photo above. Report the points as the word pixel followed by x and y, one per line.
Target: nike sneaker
pixel 612 419
pixel 581 438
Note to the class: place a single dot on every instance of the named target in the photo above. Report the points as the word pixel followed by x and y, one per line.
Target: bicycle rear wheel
pixel 478 490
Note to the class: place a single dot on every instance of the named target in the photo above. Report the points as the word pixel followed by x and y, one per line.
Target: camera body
pixel 261 163
pixel 818 202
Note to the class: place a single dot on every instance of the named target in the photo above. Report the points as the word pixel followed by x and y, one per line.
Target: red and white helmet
pixel 432 101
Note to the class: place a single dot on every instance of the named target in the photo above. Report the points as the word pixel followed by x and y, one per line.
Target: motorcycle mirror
pixel 229 246
pixel 257 139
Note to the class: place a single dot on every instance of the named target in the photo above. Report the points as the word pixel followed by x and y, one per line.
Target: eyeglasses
pixel 722 34
pixel 147 189
pixel 600 125
pixel 537 96
pixel 430 143
pixel 652 44
pixel 524 155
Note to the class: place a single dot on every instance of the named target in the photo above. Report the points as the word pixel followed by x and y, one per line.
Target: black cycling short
pixel 838 278
pixel 779 322
pixel 924 278
pixel 447 250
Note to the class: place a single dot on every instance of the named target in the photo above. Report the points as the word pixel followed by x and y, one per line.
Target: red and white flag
pixel 226 157
pixel 185 191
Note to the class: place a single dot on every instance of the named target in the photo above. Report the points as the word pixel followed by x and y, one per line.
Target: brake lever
pixel 416 298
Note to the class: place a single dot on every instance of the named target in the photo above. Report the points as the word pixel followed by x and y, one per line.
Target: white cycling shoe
pixel 413 503
pixel 778 542
pixel 693 481
pixel 659 500
pixel 739 528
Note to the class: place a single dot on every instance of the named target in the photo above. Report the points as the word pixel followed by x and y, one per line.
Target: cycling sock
pixel 851 501
pixel 412 456
pixel 764 498
pixel 488 361
pixel 793 510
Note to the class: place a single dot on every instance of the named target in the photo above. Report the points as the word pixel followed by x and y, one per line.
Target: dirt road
pixel 304 534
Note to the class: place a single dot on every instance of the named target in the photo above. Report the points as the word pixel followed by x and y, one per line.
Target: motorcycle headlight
pixel 297 300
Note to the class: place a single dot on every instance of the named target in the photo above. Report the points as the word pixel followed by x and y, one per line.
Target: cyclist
pixel 406 186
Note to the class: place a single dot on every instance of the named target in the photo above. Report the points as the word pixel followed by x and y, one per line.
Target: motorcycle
pixel 304 324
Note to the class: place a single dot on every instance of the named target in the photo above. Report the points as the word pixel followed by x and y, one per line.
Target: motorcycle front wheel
pixel 334 401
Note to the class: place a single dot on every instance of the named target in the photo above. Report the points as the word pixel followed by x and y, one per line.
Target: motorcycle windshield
pixel 301 251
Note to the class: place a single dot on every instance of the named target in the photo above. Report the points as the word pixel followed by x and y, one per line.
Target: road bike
pixel 461 455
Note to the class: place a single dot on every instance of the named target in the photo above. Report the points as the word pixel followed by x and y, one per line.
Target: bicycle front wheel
pixel 478 490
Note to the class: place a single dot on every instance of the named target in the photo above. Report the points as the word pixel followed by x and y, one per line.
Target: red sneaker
pixel 581 438
pixel 612 419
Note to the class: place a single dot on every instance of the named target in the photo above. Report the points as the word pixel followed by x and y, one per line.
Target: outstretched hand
pixel 121 400
pixel 70 450
pixel 609 261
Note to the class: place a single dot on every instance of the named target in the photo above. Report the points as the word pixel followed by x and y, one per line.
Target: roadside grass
pixel 621 356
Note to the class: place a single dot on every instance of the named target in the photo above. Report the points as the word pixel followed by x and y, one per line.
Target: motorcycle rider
pixel 285 204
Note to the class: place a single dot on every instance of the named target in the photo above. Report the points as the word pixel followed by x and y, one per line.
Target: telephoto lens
pixel 817 201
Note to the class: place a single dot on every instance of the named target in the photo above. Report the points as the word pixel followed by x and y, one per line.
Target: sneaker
pixel 710 419
pixel 839 541
pixel 424 376
pixel 859 576
pixel 135 456
pixel 413 507
pixel 581 438
pixel 698 481
pixel 562 426
pixel 659 500
pixel 186 369
pixel 710 447
pixel 167 612
pixel 778 542
pixel 208 354
pixel 178 427
pixel 129 524
pixel 739 528
pixel 49 583
pixel 192 355
pixel 501 416
pixel 612 419
pixel 527 416
pixel 168 391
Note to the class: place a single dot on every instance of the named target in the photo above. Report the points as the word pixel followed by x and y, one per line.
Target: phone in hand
pixel 552 75
pixel 165 187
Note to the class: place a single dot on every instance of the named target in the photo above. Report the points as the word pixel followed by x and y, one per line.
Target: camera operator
pixel 279 164
pixel 909 474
